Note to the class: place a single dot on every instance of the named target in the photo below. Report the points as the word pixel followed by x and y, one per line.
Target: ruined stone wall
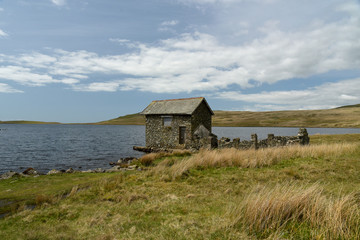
pixel 160 136
pixel 201 115
pixel 272 141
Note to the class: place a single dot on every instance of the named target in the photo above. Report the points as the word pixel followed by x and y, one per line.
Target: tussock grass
pixel 266 210
pixel 148 159
pixel 251 158
pixel 308 194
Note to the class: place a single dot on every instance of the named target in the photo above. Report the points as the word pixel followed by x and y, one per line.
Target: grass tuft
pixel 267 209
pixel 231 157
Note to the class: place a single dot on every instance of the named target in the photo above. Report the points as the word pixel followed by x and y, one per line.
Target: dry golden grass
pixel 338 117
pixel 148 159
pixel 311 193
pixel 268 209
pixel 251 158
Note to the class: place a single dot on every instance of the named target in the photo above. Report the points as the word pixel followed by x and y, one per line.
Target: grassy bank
pixel 345 117
pixel 301 193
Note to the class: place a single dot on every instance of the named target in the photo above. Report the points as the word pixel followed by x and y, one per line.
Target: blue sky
pixel 92 60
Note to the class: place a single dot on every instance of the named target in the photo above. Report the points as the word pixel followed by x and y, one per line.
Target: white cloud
pixel 169 23
pixel 119 40
pixel 35 59
pixel 24 76
pixel 200 62
pixel 98 86
pixel 324 96
pixel 3 34
pixel 168 26
pixel 197 2
pixel 5 88
pixel 208 1
pixel 59 2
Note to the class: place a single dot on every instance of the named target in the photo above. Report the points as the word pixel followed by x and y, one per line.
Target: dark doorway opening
pixel 182 135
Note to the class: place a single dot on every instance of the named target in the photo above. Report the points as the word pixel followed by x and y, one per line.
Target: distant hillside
pixel 342 117
pixel 350 106
pixel 131 119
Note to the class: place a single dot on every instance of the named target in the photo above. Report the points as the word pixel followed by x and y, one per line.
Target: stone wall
pixel 160 136
pixel 201 116
pixel 272 141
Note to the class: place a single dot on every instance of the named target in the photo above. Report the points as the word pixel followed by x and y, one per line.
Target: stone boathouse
pixel 179 123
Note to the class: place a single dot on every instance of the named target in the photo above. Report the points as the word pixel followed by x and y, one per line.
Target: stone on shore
pixel 54 171
pixel 9 174
pixel 70 170
pixel 114 169
pixel 30 171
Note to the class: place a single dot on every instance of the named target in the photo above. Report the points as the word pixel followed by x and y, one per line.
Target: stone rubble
pixel 272 141
pixel 123 164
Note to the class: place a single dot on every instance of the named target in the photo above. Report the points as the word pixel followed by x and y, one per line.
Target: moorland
pixel 295 192
pixel 342 117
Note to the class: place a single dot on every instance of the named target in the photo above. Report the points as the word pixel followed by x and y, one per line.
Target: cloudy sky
pixel 92 60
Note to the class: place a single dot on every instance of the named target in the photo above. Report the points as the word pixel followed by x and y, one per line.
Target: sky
pixel 75 61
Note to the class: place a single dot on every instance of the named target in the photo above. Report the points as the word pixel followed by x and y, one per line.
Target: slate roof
pixel 184 106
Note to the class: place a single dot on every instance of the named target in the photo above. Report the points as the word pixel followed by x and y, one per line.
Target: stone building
pixel 179 123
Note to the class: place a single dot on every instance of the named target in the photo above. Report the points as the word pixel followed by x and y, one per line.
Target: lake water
pixel 46 147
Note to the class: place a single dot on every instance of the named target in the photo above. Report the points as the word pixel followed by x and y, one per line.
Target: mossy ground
pixel 201 203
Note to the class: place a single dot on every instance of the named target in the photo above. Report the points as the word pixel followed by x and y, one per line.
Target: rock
pixel 190 195
pixel 54 171
pixel 143 149
pixel 172 196
pixel 114 169
pixel 9 174
pixel 70 170
pixel 126 160
pixel 88 171
pixel 25 175
pixel 98 170
pixel 30 171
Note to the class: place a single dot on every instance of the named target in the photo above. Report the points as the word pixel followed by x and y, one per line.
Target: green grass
pixel 202 203
pixel 17 191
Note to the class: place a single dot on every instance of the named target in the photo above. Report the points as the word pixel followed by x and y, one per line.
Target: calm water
pixel 46 147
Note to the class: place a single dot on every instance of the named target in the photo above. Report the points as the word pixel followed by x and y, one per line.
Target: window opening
pixel 167 121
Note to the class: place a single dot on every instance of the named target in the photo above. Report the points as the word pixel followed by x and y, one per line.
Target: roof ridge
pixel 177 99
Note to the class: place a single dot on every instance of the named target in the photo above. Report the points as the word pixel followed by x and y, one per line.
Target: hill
pixel 342 117
pixel 131 119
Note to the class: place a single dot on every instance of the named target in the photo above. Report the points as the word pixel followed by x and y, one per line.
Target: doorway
pixel 182 135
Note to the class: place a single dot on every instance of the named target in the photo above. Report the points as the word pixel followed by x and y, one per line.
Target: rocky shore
pixel 123 164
